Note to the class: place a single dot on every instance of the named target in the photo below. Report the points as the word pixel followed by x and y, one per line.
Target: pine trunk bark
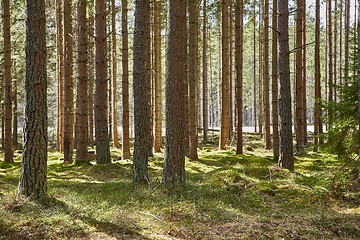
pixel 141 113
pixel 225 82
pixel 275 83
pixel 8 148
pixel 317 107
pixel 33 182
pixel 266 77
pixel 82 86
pixel 330 63
pixel 174 159
pixel 205 76
pixel 286 159
pixel 69 83
pixel 346 40
pixel 114 75
pixel 254 69
pixel 101 103
pixel 125 83
pixel 91 68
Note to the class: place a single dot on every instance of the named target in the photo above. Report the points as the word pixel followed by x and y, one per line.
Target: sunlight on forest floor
pixel 226 197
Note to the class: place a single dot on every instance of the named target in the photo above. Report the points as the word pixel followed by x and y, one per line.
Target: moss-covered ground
pixel 226 197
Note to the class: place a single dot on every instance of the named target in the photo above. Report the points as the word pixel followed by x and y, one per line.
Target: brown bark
pixel 158 81
pixel 60 74
pixel 254 66
pixel 82 86
pixel 205 76
pixel 193 74
pixel 68 84
pixel 114 75
pixel 286 159
pixel 330 62
pixel 346 40
pixel 225 84
pixel 275 83
pixel 174 159
pixel 317 111
pixel 304 92
pixel 33 166
pixel 8 151
pixel 141 113
pixel 101 103
pixel 125 83
pixel 91 75
pixel 266 76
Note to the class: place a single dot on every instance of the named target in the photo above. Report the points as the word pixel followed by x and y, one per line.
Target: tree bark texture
pixel 266 77
pixel 286 159
pixel 8 148
pixel 101 103
pixel 114 75
pixel 141 114
pixel 33 182
pixel 317 111
pixel 174 159
pixel 275 82
pixel 205 76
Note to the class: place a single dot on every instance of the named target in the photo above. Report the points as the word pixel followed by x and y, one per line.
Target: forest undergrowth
pixel 226 197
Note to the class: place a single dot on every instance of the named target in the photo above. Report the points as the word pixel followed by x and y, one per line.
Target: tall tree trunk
pixel 266 77
pixel 205 76
pixel 358 63
pixel 239 29
pixel 225 84
pixel 8 151
pixel 254 69
pixel 15 117
pixel 231 88
pixel 158 76
pixel 141 113
pixel 82 86
pixel 346 40
pixel 69 83
pixel 125 83
pixel 304 115
pixel 299 78
pixel 193 74
pixel 60 74
pixel 101 104
pixel 330 62
pixel 286 159
pixel 275 83
pixel 33 166
pixel 335 48
pixel 91 75
pixel 174 159
pixel 317 113
pixel 114 75
pixel 260 73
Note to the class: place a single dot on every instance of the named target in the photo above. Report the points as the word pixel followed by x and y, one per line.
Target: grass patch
pixel 227 196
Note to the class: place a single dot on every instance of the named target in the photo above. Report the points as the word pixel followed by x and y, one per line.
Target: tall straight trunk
pixel 317 113
pixel 8 151
pixel 15 117
pixel 346 40
pixel 231 109
pixel 341 42
pixel 100 101
pixel 205 76
pixel 141 113
pixel 193 74
pixel 304 115
pixel 299 78
pixel 330 62
pixel 358 63
pixel 239 29
pixel 335 48
pixel 82 86
pixel 148 80
pixel 174 159
pixel 60 74
pixel 91 75
pixel 69 83
pixel 114 75
pixel 254 69
pixel 260 73
pixel 33 182
pixel 286 158
pixel 225 84
pixel 266 77
pixel 125 83
pixel 275 83
pixel 158 78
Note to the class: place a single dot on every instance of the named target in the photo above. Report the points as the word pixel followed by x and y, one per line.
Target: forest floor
pixel 226 197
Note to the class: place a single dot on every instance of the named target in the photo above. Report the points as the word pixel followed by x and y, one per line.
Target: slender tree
pixel 286 158
pixel 101 104
pixel 266 76
pixel 225 84
pixel 239 15
pixel 346 40
pixel 358 68
pixel 304 92
pixel 254 68
pixel 141 114
pixel 158 81
pixel 33 166
pixel 275 84
pixel 60 74
pixel 330 61
pixel 193 73
pixel 91 75
pixel 205 76
pixel 82 86
pixel 125 83
pixel 8 151
pixel 114 75
pixel 174 159
pixel 317 111
pixel 68 83
pixel 14 115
